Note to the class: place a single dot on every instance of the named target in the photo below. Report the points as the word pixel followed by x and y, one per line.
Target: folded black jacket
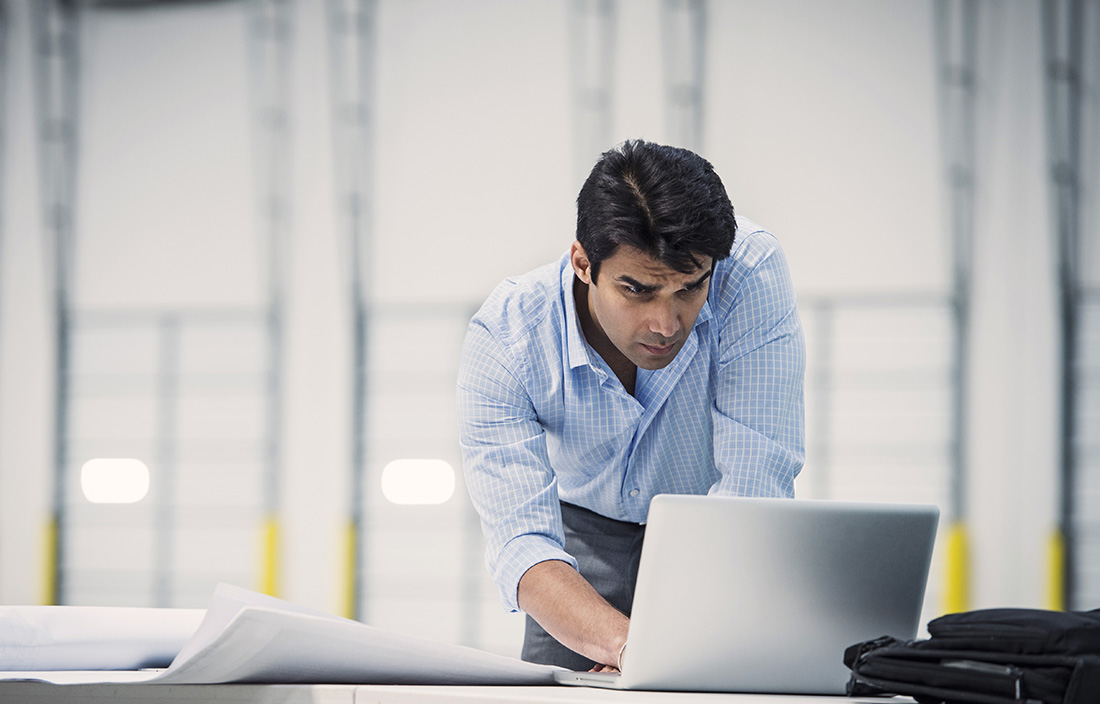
pixel 991 656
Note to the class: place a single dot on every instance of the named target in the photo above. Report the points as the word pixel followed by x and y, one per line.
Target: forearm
pixel 566 605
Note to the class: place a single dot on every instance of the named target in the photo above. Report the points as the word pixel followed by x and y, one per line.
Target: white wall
pixel 821 118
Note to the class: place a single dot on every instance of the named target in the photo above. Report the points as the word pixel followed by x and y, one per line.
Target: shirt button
pixel 634 493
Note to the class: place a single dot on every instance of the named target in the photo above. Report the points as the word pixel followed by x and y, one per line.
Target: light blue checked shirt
pixel 542 417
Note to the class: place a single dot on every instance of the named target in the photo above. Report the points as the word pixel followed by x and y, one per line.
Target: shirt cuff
pixel 519 555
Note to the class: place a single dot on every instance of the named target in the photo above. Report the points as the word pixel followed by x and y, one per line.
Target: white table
pixel 41 693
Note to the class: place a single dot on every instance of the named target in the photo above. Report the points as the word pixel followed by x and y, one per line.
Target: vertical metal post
pixel 3 111
pixel 683 31
pixel 470 623
pixel 472 570
pixel 351 72
pixel 956 42
pixel 164 543
pixel 55 33
pixel 823 315
pixel 1062 57
pixel 269 41
pixel 591 64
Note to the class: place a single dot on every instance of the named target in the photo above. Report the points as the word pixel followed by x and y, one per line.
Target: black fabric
pixel 607 553
pixel 1020 631
pixel 991 656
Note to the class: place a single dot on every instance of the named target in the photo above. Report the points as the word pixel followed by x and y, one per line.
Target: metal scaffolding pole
pixel 167 454
pixel 270 37
pixel 3 110
pixel 591 64
pixel 683 33
pixel 823 315
pixel 352 47
pixel 55 31
pixel 1062 57
pixel 956 47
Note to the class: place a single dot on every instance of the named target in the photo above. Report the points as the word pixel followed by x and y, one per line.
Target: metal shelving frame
pixel 1063 44
pixel 956 50
pixel 591 69
pixel 56 29
pixel 683 43
pixel 352 49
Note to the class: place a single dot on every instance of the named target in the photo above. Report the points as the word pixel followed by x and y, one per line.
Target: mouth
pixel 659 351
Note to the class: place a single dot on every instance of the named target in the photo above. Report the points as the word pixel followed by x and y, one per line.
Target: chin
pixel 652 364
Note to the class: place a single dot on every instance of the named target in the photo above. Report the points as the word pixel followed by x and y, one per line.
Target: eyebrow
pixel 699 282
pixel 649 288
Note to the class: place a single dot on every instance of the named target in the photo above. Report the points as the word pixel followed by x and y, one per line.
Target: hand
pixel 566 605
pixel 612 668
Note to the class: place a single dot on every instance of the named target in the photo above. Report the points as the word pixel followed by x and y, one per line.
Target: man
pixel 662 354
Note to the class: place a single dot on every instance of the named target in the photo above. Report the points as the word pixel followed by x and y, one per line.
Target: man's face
pixel 639 306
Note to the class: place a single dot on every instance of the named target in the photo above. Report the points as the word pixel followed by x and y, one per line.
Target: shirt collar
pixel 704 313
pixel 576 351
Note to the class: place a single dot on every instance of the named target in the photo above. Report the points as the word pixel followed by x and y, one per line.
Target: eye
pixel 698 286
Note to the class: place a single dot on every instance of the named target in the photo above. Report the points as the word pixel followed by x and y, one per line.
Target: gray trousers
pixel 607 553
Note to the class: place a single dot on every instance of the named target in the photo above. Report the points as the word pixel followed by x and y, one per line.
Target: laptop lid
pixel 763 595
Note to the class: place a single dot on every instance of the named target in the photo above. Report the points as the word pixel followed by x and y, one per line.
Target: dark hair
pixel 664 201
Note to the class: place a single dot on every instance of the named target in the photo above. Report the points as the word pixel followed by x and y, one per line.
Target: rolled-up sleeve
pixel 758 414
pixel 505 462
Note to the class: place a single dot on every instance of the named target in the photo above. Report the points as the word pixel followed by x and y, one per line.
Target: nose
pixel 664 320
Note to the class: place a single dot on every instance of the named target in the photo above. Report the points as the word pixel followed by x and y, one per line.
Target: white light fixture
pixel 114 480
pixel 418 481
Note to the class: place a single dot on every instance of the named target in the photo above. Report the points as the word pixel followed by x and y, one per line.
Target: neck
pixel 624 369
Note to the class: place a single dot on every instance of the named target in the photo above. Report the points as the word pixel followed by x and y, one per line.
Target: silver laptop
pixel 764 595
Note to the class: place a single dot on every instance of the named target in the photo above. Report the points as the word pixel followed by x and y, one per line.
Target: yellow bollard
pixel 269 571
pixel 49 563
pixel 1056 572
pixel 351 547
pixel 957 593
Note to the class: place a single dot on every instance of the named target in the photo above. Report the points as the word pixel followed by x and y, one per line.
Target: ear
pixel 581 266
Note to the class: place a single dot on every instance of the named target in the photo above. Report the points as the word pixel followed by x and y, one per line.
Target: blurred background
pixel 240 242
